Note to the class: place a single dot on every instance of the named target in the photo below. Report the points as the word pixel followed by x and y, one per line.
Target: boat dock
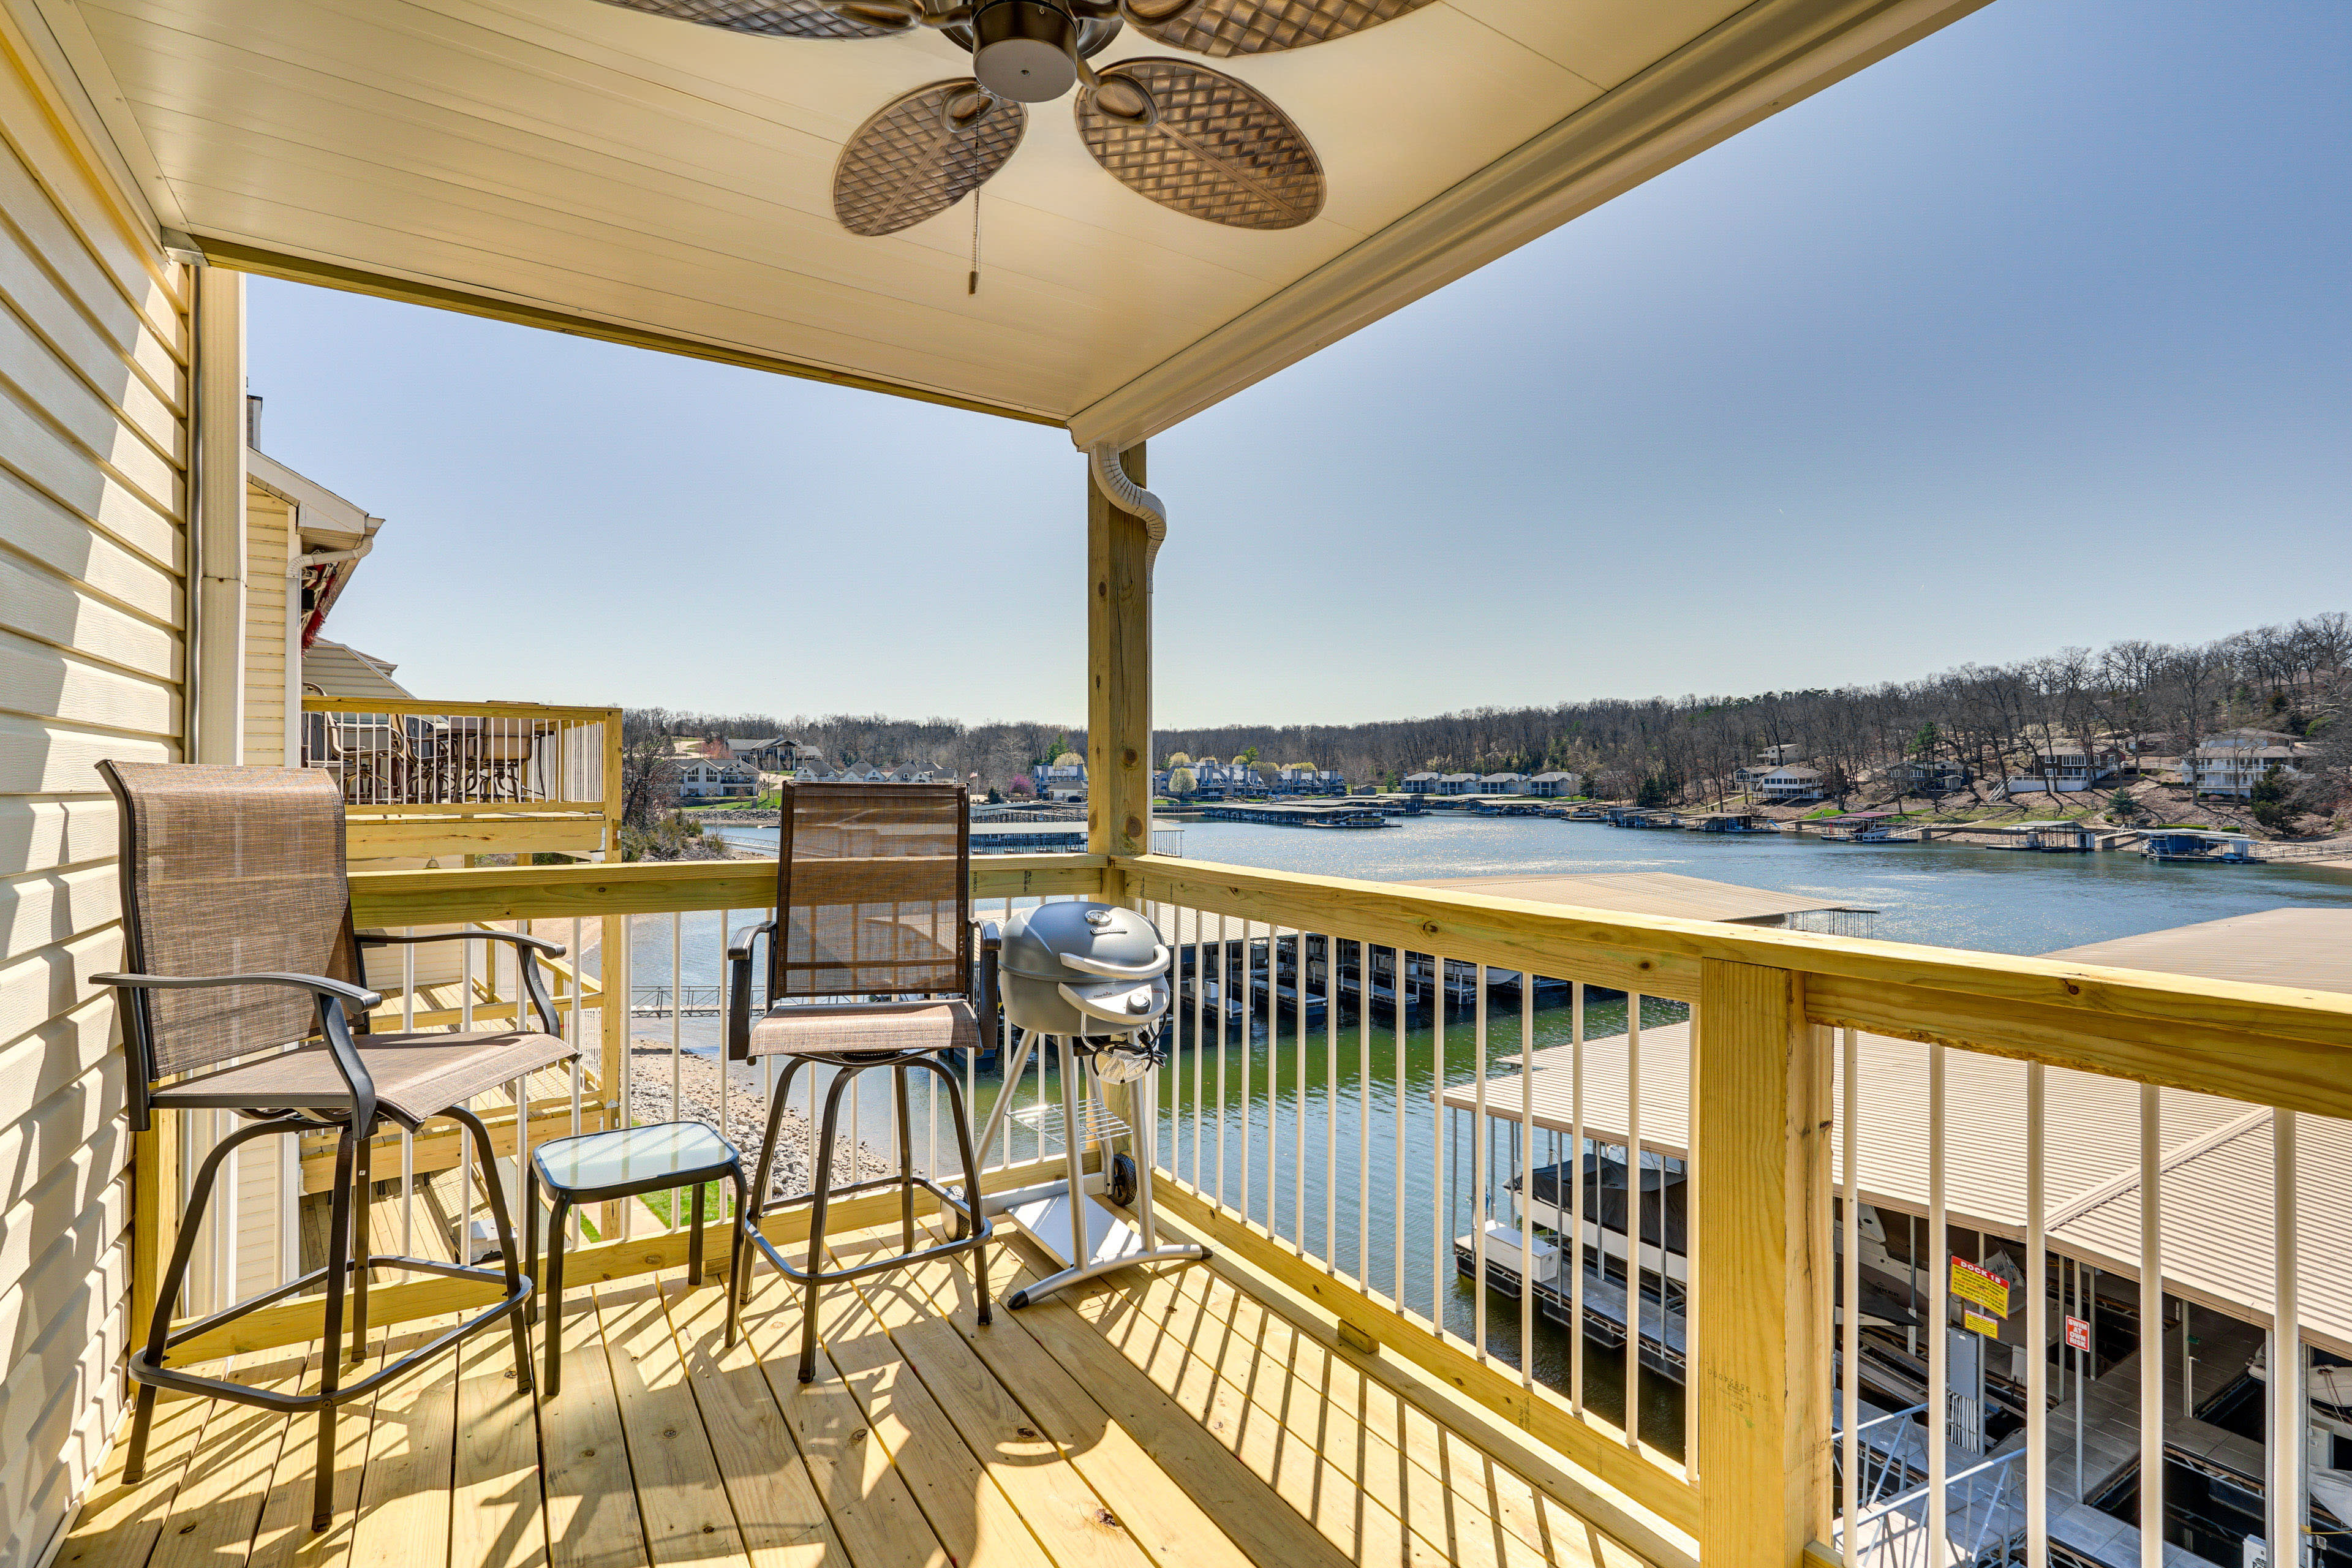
pixel 1302 814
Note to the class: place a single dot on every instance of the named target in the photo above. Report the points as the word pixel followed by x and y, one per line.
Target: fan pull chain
pixel 971 280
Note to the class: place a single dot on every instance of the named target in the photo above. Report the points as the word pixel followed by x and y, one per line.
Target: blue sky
pixel 2035 334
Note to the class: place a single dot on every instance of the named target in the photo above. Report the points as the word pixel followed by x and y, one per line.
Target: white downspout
pixel 300 563
pixel 1111 479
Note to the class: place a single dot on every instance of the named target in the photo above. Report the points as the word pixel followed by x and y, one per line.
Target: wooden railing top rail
pixel 651 887
pixel 423 709
pixel 2270 1045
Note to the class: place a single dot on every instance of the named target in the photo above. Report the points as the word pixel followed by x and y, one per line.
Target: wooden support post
pixel 1762 1264
pixel 1119 698
pixel 1119 675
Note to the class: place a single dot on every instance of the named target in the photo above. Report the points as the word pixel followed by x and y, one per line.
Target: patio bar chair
pixel 871 964
pixel 248 994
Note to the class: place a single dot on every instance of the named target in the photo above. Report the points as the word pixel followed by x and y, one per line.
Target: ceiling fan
pixel 1178 132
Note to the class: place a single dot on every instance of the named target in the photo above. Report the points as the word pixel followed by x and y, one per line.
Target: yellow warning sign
pixel 1976 1322
pixel 1981 1286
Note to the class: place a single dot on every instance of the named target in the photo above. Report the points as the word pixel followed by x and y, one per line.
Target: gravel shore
pixel 747 1111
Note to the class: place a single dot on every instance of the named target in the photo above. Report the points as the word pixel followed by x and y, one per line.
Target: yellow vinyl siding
pixel 268 521
pixel 93 552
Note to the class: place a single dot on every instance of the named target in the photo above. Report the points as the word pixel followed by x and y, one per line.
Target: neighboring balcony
pixel 424 780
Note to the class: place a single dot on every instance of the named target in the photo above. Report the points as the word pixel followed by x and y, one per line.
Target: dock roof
pixel 2217 1153
pixel 1647 893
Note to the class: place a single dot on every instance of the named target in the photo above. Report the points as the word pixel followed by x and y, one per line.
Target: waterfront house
pixel 769 753
pixel 1555 784
pixel 2233 761
pixel 1303 778
pixel 1789 783
pixel 1926 777
pixel 605 171
pixel 1064 778
pixel 2066 767
pixel 1418 783
pixel 1457 783
pixel 1503 783
pixel 712 778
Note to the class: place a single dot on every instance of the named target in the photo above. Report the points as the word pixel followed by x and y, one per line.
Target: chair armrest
pixel 319 984
pixel 334 1028
pixel 739 989
pixel 540 1001
pixel 536 943
pixel 740 945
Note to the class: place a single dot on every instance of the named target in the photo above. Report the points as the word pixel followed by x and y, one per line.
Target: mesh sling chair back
pixel 248 992
pixel 871 964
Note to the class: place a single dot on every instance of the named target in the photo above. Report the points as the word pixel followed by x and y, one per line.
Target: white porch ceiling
pixel 592 166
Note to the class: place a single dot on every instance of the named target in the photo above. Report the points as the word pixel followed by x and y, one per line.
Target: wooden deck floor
pixel 1161 1422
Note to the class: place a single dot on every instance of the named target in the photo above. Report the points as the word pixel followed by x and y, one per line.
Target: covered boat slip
pixel 1175 1421
pixel 2216 1154
pixel 2219 1169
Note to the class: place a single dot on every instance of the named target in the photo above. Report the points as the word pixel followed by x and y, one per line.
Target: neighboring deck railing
pixel 430 779
pixel 1322 1150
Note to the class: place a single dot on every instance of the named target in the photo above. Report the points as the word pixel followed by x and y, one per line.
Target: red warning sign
pixel 2078 1334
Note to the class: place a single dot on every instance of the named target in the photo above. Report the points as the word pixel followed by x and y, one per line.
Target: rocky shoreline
pixel 747 1111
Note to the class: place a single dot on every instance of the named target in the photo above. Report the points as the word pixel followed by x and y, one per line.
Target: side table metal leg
pixel 561 1212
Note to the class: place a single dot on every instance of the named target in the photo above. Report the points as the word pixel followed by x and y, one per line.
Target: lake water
pixel 1232 1110
pixel 1951 894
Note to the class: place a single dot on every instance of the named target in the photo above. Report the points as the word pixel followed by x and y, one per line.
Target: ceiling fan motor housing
pixel 1022 50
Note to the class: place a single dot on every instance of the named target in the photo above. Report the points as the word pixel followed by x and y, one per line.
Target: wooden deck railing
pixel 430 779
pixel 1334 1173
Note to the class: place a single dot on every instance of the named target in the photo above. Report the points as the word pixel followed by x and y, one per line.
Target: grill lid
pixel 1084 969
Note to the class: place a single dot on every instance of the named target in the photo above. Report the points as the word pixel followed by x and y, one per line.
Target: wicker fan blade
pixel 1218 151
pixel 770 18
pixel 906 165
pixel 1221 28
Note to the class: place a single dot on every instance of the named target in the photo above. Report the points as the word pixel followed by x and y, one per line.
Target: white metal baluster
pixel 2151 1330
pixel 1272 1079
pixel 724 919
pixel 2283 1501
pixel 1004 1068
pixel 1396 1103
pixel 573 1033
pixel 1364 1116
pixel 676 1016
pixel 1850 1294
pixel 1038 1058
pixel 1199 1044
pixel 1526 1217
pixel 408 1138
pixel 1634 1221
pixel 1225 1106
pixel 1299 1117
pixel 2037 1334
pixel 1940 1336
pixel 1249 1022
pixel 1575 1258
pixel 1439 1259
pixel 677 1035
pixel 466 1136
pixel 1482 1150
pixel 1332 1101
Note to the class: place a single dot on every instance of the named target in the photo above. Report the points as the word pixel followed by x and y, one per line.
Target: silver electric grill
pixel 1091 980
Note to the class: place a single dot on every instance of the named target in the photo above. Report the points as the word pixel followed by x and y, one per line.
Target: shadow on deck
pixel 1163 1422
